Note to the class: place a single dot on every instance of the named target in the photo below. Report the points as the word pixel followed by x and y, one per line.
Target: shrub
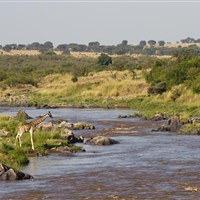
pixel 104 59
pixel 74 79
pixel 176 93
pixel 158 88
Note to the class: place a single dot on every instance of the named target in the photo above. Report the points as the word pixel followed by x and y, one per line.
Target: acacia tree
pixel 161 43
pixel 143 43
pixel 124 42
pixel 48 45
pixel 151 42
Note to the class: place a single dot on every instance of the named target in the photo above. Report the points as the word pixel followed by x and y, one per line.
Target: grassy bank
pixel 13 155
pixel 107 89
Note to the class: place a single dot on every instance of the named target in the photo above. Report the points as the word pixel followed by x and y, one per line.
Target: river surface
pixel 145 165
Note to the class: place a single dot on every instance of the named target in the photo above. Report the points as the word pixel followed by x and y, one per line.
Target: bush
pixel 104 59
pixel 74 79
pixel 159 88
pixel 176 93
pixel 196 87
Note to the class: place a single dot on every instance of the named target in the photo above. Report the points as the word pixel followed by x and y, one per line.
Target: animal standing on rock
pixel 29 127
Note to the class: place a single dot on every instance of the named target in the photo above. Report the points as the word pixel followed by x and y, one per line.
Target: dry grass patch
pixel 102 84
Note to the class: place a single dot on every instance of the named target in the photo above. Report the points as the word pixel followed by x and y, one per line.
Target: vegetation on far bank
pixel 145 83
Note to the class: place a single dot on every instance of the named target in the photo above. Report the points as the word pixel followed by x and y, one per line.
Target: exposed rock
pixel 46 126
pixel 158 117
pixel 7 173
pixel 82 125
pixel 46 106
pixel 101 140
pixel 174 124
pixel 133 115
pixel 21 114
pixel 65 124
pixel 58 120
pixel 162 128
pixel 69 135
pixel 125 116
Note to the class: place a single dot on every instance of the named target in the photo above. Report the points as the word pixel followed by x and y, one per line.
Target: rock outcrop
pixel 101 140
pixel 69 135
pixel 190 126
pixel 173 124
pixel 7 173
pixel 158 117
pixel 82 125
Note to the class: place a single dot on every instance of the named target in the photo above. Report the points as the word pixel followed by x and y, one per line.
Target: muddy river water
pixel 145 165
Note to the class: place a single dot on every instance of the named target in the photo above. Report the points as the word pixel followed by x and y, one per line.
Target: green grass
pixel 15 156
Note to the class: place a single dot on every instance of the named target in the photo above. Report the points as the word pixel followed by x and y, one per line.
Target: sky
pixel 64 22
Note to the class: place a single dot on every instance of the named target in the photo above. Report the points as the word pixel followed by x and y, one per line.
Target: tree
pixel 94 46
pixel 143 43
pixel 48 45
pixel 151 42
pixel 21 46
pixel 62 47
pixel 188 40
pixel 161 43
pixel 9 47
pixel 104 59
pixel 124 42
pixel 34 46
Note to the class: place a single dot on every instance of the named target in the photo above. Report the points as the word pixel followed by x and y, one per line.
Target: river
pixel 145 165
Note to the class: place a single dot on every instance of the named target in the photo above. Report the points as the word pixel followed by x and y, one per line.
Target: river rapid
pixel 145 165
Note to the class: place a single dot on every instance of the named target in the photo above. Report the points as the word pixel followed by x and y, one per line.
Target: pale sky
pixel 106 22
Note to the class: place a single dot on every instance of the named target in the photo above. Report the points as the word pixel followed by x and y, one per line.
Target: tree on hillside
pixel 151 42
pixel 188 40
pixel 143 43
pixel 21 46
pixel 104 59
pixel 62 47
pixel 94 46
pixel 34 46
pixel 124 42
pixel 161 43
pixel 48 45
pixel 9 47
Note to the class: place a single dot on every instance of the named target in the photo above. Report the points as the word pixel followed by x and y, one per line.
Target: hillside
pixel 144 83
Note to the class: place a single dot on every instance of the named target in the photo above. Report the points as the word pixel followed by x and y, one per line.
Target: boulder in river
pixel 69 135
pixel 7 173
pixel 101 140
pixel 65 124
pixel 82 125
pixel 158 117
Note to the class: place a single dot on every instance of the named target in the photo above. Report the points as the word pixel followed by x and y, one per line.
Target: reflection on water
pixel 152 166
